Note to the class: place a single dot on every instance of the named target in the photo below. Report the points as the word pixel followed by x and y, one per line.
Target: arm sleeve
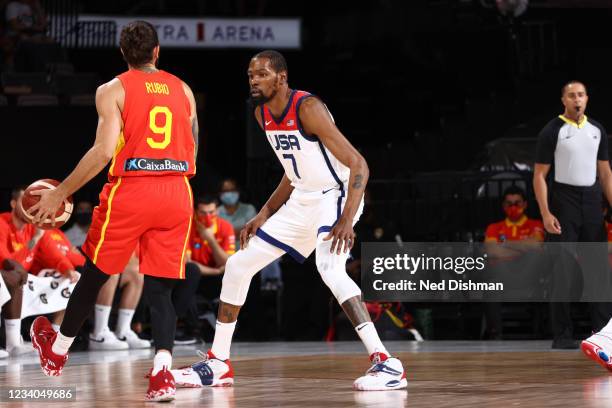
pixel 547 140
pixel 49 255
pixel 602 153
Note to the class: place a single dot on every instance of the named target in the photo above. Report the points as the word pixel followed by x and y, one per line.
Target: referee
pixel 574 150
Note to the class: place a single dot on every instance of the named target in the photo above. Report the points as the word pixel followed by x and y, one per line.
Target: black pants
pixel 579 211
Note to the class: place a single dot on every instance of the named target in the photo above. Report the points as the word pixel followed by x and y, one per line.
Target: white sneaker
pixel 24 348
pixel 133 341
pixel 598 348
pixel 210 372
pixel 3 353
pixel 387 374
pixel 106 340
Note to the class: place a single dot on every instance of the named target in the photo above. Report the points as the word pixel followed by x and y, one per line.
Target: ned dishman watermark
pixel 509 272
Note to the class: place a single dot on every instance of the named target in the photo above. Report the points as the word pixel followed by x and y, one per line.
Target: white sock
pixel 101 319
pixel 61 344
pixel 123 321
pixel 223 340
pixel 13 333
pixel 56 327
pixel 607 328
pixel 162 358
pixel 369 336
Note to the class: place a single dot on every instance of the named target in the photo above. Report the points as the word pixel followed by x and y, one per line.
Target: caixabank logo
pixel 144 164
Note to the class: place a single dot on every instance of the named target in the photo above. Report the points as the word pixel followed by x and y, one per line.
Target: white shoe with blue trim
pixel 385 374
pixel 210 372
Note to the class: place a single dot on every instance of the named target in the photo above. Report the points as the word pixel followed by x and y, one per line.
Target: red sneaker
pixel 161 386
pixel 43 336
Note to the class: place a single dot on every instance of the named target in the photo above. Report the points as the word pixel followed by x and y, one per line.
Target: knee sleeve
pixel 332 268
pixel 242 266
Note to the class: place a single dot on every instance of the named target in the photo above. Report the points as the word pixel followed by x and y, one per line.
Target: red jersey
pixel 14 242
pixel 202 252
pixel 507 230
pixel 57 239
pixel 14 245
pixel 156 139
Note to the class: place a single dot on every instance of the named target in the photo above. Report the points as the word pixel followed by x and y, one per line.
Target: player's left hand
pixel 342 235
pixel 46 208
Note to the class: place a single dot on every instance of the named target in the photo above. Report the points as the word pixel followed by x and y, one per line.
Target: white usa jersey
pixel 307 162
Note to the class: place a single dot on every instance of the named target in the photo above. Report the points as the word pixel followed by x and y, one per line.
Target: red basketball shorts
pixel 153 211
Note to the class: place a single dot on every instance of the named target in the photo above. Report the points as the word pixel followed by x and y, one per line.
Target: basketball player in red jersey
pixel 314 208
pixel 148 127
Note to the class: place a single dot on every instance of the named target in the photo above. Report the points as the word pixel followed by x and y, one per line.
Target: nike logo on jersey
pixel 327 191
pixel 268 122
pixel 286 142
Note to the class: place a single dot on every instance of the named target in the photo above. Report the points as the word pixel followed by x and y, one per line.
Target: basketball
pixel 28 200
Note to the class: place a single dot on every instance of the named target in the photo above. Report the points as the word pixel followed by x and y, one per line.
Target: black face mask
pixel 83 218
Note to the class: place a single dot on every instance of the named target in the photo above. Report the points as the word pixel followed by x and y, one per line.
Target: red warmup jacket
pixel 14 245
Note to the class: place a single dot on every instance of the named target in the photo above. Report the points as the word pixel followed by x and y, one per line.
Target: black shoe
pixel 565 344
pixel 183 339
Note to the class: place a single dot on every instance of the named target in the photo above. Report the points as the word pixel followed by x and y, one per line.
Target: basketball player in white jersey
pixel 315 206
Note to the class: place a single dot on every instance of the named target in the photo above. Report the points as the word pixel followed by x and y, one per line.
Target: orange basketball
pixel 28 200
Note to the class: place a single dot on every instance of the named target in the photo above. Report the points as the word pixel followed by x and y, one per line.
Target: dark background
pixel 417 86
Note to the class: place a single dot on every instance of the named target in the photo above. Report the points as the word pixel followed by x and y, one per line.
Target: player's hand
pixel 251 228
pixel 46 208
pixel 551 224
pixel 342 236
pixel 73 276
pixel 206 234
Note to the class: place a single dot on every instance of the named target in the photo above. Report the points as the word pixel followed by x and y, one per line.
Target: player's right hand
pixel 250 229
pixel 551 224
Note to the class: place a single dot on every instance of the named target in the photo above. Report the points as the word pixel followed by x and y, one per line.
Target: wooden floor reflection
pixel 436 379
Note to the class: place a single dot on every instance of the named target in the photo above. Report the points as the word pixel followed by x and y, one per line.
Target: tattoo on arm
pixel 358 181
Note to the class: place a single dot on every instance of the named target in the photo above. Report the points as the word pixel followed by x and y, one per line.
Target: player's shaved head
pixel 277 61
pixel 137 41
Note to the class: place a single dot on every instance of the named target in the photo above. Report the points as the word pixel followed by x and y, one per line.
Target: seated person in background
pixel 238 214
pixel 515 228
pixel 212 238
pixel 13 277
pixel 26 25
pixel 231 209
pixel 82 220
pixel 212 242
pixel 131 283
pixel 26 245
pixel 26 19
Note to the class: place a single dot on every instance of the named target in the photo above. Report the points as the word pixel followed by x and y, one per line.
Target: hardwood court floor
pixel 440 374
